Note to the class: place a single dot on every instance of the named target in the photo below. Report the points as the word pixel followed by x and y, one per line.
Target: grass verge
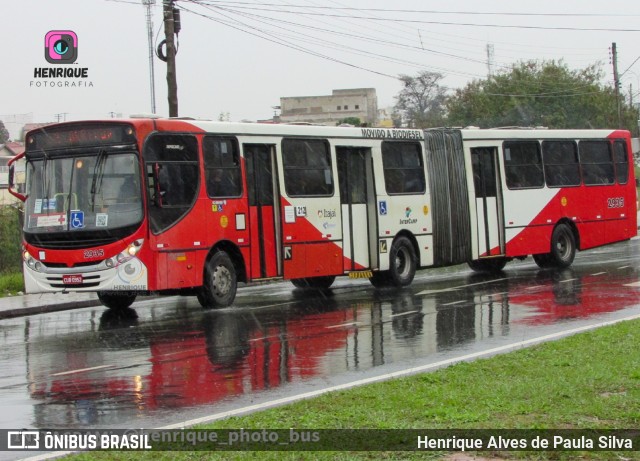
pixel 587 381
pixel 11 284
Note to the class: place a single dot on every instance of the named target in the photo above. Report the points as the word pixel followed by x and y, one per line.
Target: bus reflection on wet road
pixel 170 360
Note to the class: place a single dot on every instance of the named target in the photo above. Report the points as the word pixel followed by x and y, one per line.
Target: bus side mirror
pixel 17 177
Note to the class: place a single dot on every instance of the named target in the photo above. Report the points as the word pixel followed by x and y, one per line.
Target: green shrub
pixel 10 240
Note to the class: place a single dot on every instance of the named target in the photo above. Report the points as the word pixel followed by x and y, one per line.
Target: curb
pixel 34 310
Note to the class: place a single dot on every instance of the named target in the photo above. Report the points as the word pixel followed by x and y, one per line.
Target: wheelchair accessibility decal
pixel 77 219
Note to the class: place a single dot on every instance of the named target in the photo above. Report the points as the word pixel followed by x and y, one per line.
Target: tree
pixel 355 121
pixel 539 94
pixel 420 103
pixel 4 133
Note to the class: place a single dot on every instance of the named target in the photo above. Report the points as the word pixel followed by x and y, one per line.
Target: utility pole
pixel 169 32
pixel 616 80
pixel 152 81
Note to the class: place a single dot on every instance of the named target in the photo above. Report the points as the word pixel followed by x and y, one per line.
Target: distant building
pixel 329 110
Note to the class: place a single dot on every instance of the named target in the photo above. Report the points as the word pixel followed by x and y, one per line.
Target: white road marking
pixel 82 370
pixel 428 292
pixel 402 313
pixel 454 303
pixel 348 324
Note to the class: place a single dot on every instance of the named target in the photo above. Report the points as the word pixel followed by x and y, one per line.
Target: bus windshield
pixel 83 193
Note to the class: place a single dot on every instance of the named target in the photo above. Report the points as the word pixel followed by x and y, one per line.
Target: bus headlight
pixel 31 263
pixel 134 247
pixel 128 253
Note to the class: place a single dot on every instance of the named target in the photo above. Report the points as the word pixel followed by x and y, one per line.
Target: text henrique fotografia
pixel 61 49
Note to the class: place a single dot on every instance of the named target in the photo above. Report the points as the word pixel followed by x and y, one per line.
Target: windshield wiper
pixel 98 173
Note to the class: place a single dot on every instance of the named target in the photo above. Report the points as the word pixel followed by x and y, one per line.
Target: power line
pixel 228 20
pixel 418 21
pixel 393 10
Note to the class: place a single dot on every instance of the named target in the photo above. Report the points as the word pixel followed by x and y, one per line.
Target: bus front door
pixel 488 193
pixel 357 199
pixel 264 219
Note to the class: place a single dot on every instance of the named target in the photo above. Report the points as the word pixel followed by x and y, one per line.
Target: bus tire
pixel 563 246
pixel 221 282
pixel 542 260
pixel 318 283
pixel 493 265
pixel 402 262
pixel 380 279
pixel 116 301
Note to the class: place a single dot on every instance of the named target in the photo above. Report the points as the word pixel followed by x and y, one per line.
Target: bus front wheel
pixel 116 301
pixel 221 282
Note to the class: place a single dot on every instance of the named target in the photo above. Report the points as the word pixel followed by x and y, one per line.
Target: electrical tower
pixel 490 58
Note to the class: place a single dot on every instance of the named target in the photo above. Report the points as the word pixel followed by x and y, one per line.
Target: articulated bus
pixel 175 206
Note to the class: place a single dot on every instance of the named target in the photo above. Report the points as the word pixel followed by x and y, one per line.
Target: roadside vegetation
pixel 11 281
pixel 587 381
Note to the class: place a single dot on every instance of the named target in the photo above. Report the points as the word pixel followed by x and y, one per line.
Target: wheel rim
pixel 222 280
pixel 403 262
pixel 563 246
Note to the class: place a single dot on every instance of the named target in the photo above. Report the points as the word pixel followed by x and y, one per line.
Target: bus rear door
pixel 488 197
pixel 264 219
pixel 357 201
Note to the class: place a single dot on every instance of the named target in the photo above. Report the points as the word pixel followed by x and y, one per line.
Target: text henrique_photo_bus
pixel 175 206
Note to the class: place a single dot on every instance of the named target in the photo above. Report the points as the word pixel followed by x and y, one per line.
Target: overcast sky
pixel 240 57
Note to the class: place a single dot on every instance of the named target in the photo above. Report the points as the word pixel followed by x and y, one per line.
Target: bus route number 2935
pixel 93 253
pixel 615 202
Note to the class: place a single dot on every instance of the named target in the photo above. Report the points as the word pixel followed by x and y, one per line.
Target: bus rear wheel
pixel 221 282
pixel 542 260
pixel 563 249
pixel 563 246
pixel 116 301
pixel 319 283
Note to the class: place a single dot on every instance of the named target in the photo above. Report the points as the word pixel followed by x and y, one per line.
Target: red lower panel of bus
pixel 312 260
pixel 263 242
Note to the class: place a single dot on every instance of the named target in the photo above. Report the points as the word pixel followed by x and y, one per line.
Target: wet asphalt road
pixel 170 361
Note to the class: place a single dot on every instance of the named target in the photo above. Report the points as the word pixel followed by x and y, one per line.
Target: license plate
pixel 72 279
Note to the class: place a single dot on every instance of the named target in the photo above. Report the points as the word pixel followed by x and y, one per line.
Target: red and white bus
pixel 194 207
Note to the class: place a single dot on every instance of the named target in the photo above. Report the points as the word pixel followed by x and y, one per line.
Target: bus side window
pixel 403 168
pixel 561 165
pixel 596 162
pixel 222 166
pixel 172 177
pixel 523 164
pixel 621 160
pixel 307 167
